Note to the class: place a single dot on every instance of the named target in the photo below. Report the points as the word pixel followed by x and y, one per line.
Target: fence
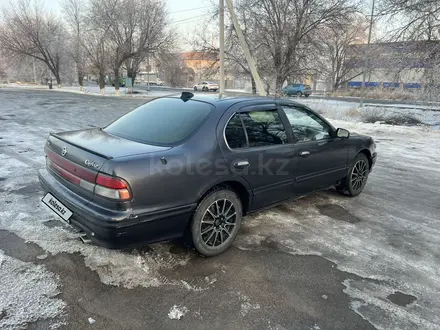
pixel 386 85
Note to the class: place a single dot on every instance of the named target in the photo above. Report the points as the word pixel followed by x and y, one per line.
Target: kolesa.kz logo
pixel 58 207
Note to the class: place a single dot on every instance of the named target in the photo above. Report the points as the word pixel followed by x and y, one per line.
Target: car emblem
pixel 90 163
pixel 64 151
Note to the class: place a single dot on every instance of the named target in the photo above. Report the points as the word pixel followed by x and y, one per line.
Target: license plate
pixel 58 207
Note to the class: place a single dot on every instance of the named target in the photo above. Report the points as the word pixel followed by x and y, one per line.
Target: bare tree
pixel 152 38
pixel 75 15
pixel 175 70
pixel 418 32
pixel 135 28
pixel 281 29
pixel 235 60
pixel 334 43
pixel 26 30
pixel 281 35
pixel 419 19
pixel 3 68
pixel 96 46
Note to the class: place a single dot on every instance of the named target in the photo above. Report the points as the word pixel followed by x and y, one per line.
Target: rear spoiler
pixel 81 147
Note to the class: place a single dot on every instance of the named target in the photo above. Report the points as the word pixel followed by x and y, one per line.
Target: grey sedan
pixel 194 166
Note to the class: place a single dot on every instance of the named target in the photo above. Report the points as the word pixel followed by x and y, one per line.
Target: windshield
pixel 164 121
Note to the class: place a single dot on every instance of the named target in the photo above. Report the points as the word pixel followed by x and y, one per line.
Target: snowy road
pixel 322 262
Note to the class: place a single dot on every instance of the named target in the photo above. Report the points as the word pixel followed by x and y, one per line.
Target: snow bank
pixel 351 112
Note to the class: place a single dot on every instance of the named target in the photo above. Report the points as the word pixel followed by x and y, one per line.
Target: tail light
pixel 111 187
pixel 98 184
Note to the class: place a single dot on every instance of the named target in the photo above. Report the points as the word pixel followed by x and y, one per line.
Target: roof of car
pixel 228 101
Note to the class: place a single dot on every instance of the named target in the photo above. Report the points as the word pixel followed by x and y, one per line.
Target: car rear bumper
pixel 117 229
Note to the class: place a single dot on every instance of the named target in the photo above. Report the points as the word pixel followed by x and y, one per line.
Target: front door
pixel 322 156
pixel 259 150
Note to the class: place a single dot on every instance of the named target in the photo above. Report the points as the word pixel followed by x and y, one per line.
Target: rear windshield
pixel 164 121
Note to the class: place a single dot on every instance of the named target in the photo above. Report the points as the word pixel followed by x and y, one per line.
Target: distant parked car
pixel 155 83
pixel 121 82
pixel 206 86
pixel 297 90
pixel 195 165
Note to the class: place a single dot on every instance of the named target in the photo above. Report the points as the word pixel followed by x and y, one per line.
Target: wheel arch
pixel 238 187
pixel 367 153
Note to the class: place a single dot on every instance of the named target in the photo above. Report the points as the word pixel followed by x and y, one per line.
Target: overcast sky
pixel 183 8
pixel 186 15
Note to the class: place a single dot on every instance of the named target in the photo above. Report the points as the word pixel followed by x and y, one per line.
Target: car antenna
pixel 186 96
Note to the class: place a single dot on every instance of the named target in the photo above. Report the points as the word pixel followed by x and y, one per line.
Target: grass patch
pixel 396 94
pixel 404 120
pixel 374 115
pixel 355 112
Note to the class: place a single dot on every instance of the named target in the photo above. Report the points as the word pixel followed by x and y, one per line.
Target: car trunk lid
pixel 76 157
pixel 104 145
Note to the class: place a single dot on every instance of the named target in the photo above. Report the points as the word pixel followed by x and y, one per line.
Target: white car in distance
pixel 206 86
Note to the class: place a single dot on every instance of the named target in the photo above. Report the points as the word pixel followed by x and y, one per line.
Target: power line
pixel 181 11
pixel 188 19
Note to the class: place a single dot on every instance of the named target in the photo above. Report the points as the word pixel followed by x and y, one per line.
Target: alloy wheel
pixel 359 174
pixel 218 222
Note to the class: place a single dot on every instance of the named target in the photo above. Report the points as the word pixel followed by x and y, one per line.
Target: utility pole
pixel 33 67
pixel 222 47
pixel 148 73
pixel 247 53
pixel 367 56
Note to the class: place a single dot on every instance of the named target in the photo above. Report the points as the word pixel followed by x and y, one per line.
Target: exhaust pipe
pixel 85 239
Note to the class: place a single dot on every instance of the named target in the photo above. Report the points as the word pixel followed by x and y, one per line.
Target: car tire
pixel 204 89
pixel 306 95
pixel 298 94
pixel 357 177
pixel 216 222
pixel 195 88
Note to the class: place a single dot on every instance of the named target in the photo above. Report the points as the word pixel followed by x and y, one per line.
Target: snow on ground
pixel 27 293
pixel 177 312
pixel 95 90
pixel 395 242
pixel 111 91
pixel 350 111
pixel 246 305
pixel 21 211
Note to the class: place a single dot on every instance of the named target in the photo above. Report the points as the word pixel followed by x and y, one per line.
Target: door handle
pixel 304 153
pixel 241 164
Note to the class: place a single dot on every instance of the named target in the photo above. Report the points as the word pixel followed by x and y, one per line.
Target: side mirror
pixel 342 133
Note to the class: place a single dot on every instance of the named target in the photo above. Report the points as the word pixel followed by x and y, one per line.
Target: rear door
pixel 322 156
pixel 259 150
